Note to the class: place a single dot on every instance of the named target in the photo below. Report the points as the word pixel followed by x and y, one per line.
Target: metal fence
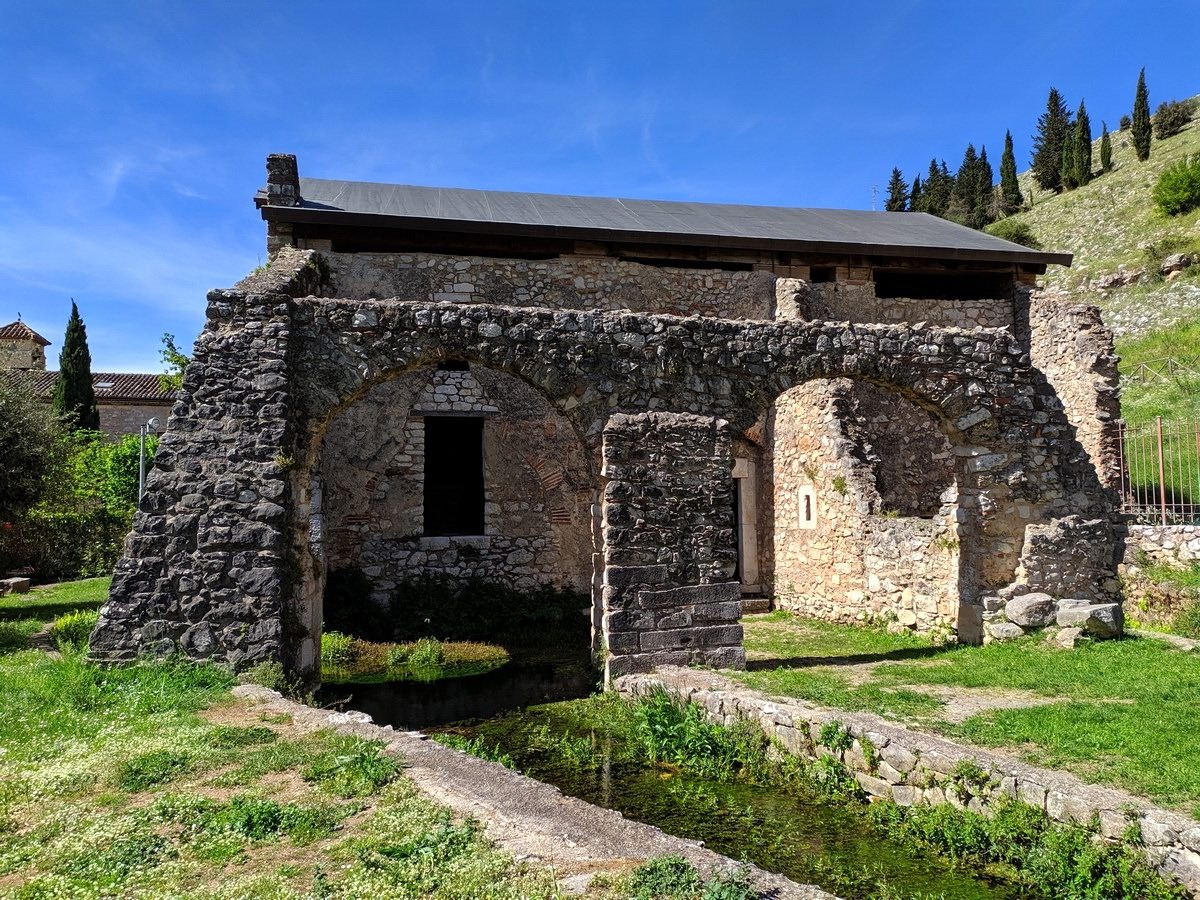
pixel 1160 471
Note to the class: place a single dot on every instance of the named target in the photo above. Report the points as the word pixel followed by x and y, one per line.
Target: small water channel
pixel 790 831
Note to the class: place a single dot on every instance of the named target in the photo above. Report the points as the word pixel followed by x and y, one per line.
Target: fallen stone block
pixel 16 585
pixel 1031 610
pixel 1097 619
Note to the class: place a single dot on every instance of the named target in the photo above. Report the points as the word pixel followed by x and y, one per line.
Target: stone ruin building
pixel 683 409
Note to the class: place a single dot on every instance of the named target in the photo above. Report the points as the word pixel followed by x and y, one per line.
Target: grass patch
pixel 1126 707
pixel 349 660
pixel 55 600
pixel 112 784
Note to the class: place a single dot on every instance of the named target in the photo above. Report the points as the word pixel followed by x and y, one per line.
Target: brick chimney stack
pixel 283 180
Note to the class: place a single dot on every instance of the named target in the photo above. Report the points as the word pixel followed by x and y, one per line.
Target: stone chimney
pixel 283 180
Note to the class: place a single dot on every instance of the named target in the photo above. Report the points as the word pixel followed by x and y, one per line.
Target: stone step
pixel 755 605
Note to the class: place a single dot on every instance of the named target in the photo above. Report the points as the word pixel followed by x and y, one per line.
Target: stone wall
pixel 537 484
pixel 582 283
pixel 840 302
pixel 22 355
pixel 669 545
pixel 913 769
pixel 219 564
pixel 117 419
pixel 856 559
pixel 1071 345
pixel 1175 545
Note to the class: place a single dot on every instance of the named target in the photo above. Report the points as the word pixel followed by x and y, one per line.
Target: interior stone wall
pixel 858 560
pixel 842 302
pixel 582 282
pixel 537 486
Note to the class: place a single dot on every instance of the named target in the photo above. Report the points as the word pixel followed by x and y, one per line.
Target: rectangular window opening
pixel 454 496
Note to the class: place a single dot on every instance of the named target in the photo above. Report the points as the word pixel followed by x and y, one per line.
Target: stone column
pixel 669 597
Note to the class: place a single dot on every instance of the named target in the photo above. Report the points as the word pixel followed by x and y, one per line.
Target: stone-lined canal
pixel 783 827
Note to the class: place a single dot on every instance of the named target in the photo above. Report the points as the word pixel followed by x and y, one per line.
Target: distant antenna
pixel 874 196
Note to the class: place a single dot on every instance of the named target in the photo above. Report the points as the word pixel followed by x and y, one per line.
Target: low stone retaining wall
pixel 909 768
pixel 1177 545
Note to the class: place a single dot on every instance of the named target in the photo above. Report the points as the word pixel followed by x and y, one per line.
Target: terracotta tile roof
pixel 19 331
pixel 110 386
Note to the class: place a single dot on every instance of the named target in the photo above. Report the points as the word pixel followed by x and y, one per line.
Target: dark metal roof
pixel 723 225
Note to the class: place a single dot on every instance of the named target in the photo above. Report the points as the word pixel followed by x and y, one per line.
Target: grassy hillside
pixel 1112 222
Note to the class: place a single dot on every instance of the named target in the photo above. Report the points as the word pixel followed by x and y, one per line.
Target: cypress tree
pixel 897 199
pixel 935 192
pixel 1140 129
pixel 965 195
pixel 1082 155
pixel 1052 134
pixel 1066 171
pixel 985 178
pixel 916 201
pixel 1010 190
pixel 1105 147
pixel 74 397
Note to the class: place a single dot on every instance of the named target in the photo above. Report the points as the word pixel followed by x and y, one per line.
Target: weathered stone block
pixel 1031 610
pixel 1097 619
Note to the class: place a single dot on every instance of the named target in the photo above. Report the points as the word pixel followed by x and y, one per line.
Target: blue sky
pixel 133 135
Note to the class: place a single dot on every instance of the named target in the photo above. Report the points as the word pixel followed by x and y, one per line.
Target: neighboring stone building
pixel 126 400
pixel 670 405
pixel 21 347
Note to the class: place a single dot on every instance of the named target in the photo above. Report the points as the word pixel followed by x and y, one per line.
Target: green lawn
pixel 56 599
pixel 1127 712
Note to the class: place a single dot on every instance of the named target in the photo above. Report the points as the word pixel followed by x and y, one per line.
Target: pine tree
pixel 897 198
pixel 964 194
pixel 1105 147
pixel 74 397
pixel 916 200
pixel 1053 130
pixel 1082 154
pixel 1140 128
pixel 1010 190
pixel 936 191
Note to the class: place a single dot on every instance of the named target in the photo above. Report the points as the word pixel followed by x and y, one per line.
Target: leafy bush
pixel 31 447
pixel 74 628
pixel 1172 117
pixel 1014 230
pixel 337 649
pixel 1178 188
pixel 426 654
pixel 1126 123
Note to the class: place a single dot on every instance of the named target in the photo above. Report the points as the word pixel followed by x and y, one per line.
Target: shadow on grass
pixel 852 659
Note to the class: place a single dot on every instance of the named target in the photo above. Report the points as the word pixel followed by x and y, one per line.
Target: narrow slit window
pixel 454 496
pixel 806 507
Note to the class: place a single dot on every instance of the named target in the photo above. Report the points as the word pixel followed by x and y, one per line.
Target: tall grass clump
pixel 74 628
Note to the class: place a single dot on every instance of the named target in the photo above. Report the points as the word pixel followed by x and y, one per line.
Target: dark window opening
pixel 454 365
pixel 822 274
pixel 453 475
pixel 737 529
pixel 719 264
pixel 943 285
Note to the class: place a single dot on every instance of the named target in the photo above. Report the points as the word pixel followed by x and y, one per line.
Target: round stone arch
pixel 361 489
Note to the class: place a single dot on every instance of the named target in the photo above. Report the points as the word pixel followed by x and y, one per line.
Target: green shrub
pixel 74 628
pixel 1178 188
pixel 664 877
pixel 337 649
pixel 1015 230
pixel 1187 621
pixel 1172 117
pixel 149 769
pixel 425 654
pixel 352 767
pixel 63 544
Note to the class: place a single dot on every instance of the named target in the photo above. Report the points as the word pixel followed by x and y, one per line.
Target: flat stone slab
pixel 529 819
pixel 15 585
